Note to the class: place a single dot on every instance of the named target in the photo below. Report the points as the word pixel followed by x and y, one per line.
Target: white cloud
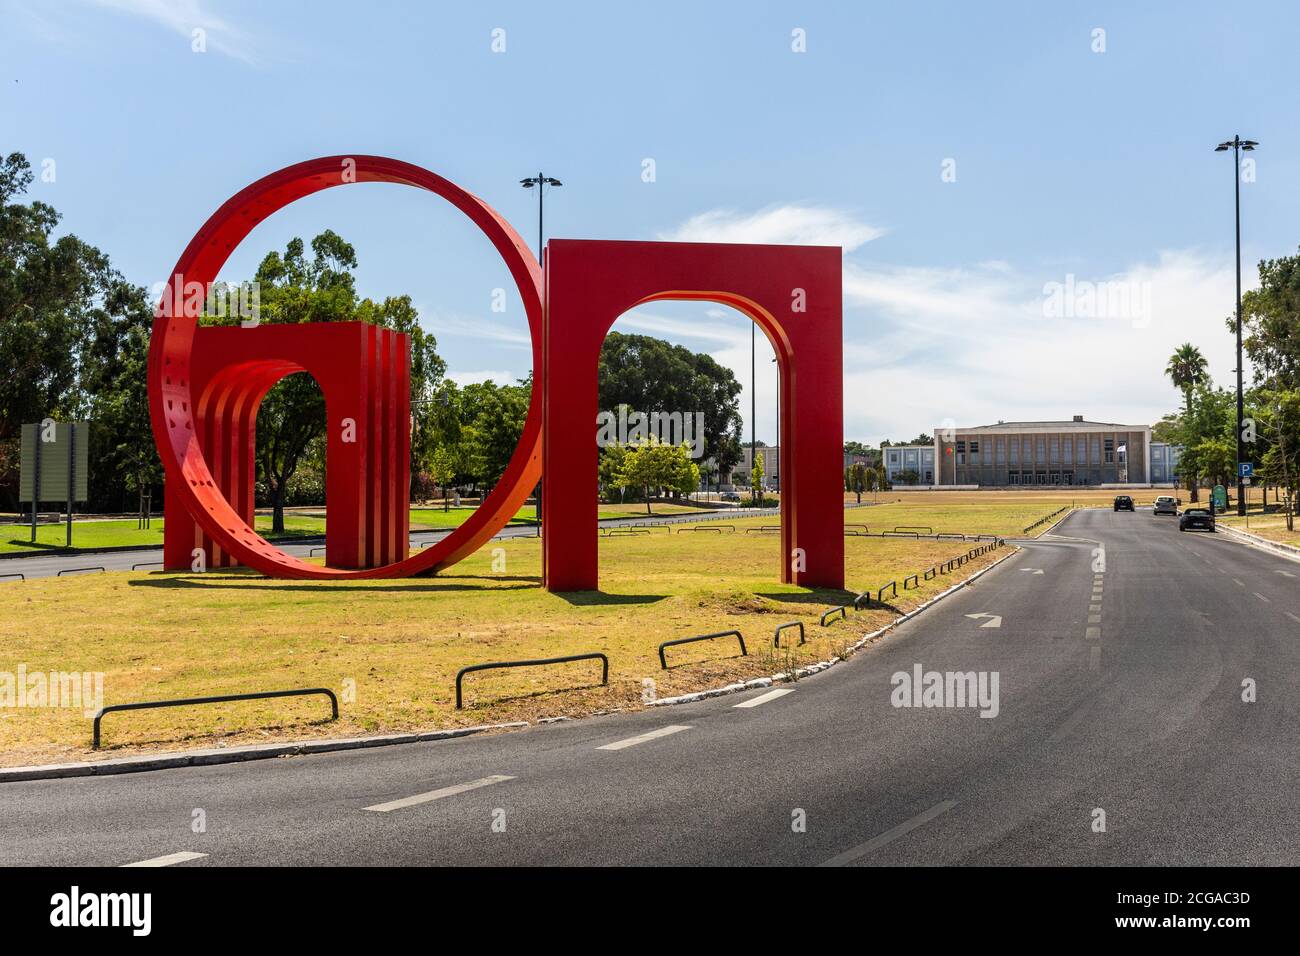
pixel 185 16
pixel 443 323
pixel 789 224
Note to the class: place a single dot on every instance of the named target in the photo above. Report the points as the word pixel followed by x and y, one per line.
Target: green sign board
pixel 1220 498
pixel 47 450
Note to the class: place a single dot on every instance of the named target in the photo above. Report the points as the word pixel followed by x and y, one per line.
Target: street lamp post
pixel 1238 145
pixel 539 182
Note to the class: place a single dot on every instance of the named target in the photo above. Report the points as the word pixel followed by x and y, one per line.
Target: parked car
pixel 1165 505
pixel 730 496
pixel 1196 518
pixel 1123 503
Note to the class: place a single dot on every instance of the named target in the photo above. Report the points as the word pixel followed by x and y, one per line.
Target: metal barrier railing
pixel 776 638
pixel 15 574
pixel 78 571
pixel 842 610
pixel 863 600
pixel 918 528
pixel 764 529
pixel 893 588
pixel 915 583
pixel 710 527
pixel 145 564
pixel 460 674
pixel 663 662
pixel 185 702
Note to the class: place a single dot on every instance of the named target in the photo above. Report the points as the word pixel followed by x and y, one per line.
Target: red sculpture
pixel 205 386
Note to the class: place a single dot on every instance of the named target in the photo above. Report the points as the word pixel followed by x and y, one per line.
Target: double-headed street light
pixel 539 182
pixel 1238 145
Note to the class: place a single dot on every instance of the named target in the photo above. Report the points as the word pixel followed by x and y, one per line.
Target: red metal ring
pixel 173 339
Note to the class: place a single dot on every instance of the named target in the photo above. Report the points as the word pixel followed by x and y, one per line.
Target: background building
pixel 1075 452
pixel 908 460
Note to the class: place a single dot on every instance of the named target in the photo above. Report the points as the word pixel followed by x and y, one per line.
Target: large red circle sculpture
pixel 171 401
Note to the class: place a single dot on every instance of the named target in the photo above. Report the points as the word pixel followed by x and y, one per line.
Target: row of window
pixel 1039 451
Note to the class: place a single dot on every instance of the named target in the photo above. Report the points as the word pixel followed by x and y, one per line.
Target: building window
pixel 1110 451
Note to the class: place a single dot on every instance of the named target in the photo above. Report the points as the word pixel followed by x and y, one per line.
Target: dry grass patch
pixel 400 643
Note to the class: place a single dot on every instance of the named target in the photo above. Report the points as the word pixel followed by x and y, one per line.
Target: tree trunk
pixel 647 500
pixel 277 508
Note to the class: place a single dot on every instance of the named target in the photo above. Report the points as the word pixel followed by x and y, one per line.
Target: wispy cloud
pixel 500 376
pixel 442 323
pixel 789 224
pixel 186 16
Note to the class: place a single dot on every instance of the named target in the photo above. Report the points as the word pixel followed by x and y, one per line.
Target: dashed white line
pixel 1094 618
pixel 764 698
pixel 1292 616
pixel 171 859
pixel 642 738
pixel 438 794
pixel 1092 634
pixel 1094 607
pixel 889 836
pixel 1238 582
pixel 1261 597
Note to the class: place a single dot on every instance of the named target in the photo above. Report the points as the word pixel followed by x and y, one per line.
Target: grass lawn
pixel 1271 526
pixel 399 643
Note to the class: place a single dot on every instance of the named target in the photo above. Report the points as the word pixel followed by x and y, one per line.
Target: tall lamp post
pixel 539 182
pixel 1238 145
pixel 753 412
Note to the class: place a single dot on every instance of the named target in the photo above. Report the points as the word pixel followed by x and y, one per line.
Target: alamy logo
pixel 627 427
pixel 103 909
pixel 923 688
pixel 54 689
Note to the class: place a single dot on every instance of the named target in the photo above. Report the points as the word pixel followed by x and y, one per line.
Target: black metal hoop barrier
pixel 663 663
pixel 225 698
pixel 460 674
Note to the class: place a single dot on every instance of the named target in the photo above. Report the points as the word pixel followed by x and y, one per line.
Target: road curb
pixel 820 666
pixel 219 755
pixel 1263 544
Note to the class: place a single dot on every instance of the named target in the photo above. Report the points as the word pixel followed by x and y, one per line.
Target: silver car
pixel 1165 505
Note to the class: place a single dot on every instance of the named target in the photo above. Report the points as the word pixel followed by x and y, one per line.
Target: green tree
pixel 855 480
pixel 1187 369
pixel 442 469
pixel 72 339
pixel 649 374
pixel 756 477
pixel 651 464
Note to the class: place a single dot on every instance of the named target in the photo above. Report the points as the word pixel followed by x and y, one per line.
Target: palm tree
pixel 1188 369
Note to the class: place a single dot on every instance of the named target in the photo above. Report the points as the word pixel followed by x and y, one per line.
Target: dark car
pixel 1123 503
pixel 1201 518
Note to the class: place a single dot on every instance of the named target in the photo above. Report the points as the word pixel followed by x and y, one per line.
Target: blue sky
pixel 1071 166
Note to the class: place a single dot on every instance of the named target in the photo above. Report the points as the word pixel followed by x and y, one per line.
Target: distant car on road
pixel 730 496
pixel 1123 503
pixel 1196 518
pixel 1165 505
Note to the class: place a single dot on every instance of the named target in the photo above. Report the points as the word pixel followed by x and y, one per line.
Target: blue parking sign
pixel 1245 469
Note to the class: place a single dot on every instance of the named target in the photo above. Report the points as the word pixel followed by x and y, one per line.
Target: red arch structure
pixel 192 488
pixel 205 385
pixel 794 293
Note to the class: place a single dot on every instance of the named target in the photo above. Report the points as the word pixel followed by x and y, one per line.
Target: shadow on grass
pixel 604 598
pixel 828 597
pixel 538 695
pixel 249 582
pixel 213 735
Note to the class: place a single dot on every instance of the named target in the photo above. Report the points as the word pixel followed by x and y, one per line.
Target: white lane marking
pixel 764 698
pixel 1285 574
pixel 1238 583
pixel 184 856
pixel 889 836
pixel 1094 658
pixel 1261 597
pixel 1094 607
pixel 1094 618
pixel 642 738
pixel 1092 634
pixel 1292 616
pixel 994 620
pixel 1033 570
pixel 437 794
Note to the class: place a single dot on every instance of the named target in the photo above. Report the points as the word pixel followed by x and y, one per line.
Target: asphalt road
pixel 1141 718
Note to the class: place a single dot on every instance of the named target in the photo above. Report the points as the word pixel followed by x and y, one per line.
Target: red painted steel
pixel 590 283
pixel 205 386
pixel 199 468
